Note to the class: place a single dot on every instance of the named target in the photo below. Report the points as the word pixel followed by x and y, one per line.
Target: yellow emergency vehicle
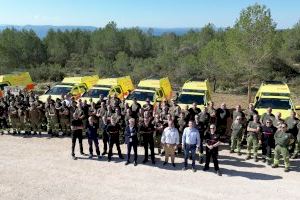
pixel 22 80
pixel 121 86
pixel 194 91
pixel 153 89
pixel 70 85
pixel 274 94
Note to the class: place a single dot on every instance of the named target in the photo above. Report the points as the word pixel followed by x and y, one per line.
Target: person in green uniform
pixel 236 135
pixel 34 119
pixel 238 112
pixel 278 120
pixel 250 112
pixel 159 127
pixel 253 135
pixel 267 115
pixel 292 122
pixel 282 140
pixel 13 117
pixel 64 114
pixel 174 109
pixel 21 122
pixel 182 123
pixel 52 126
pixel 297 145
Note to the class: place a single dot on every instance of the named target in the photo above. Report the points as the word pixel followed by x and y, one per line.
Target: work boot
pixel 127 163
pixel 239 153
pixel 145 161
pixel 231 151
pixel 274 166
pixel 104 153
pixel 264 160
pixel 135 163
pixel 286 169
pixel 90 156
pixel 255 159
pixel 173 164
pixel 248 157
pixel 184 168
pixel 201 161
pixel 269 162
pixel 164 163
pixel 219 173
pixel 205 169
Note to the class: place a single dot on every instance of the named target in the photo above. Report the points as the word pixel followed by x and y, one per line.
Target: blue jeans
pixel 187 149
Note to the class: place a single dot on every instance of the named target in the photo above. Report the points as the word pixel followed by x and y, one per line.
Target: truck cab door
pixel 116 90
pixel 75 91
pixel 82 89
pixel 158 95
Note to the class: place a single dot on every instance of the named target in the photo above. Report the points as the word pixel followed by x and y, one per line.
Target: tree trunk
pixel 215 84
pixel 249 90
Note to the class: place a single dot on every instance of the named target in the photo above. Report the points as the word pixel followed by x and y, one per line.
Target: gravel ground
pixel 42 168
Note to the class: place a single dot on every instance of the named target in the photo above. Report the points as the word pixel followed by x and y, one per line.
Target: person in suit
pixel 131 140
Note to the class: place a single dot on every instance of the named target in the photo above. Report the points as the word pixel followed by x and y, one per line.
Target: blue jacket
pixel 131 135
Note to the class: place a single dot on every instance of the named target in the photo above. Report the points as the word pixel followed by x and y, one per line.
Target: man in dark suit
pixel 131 140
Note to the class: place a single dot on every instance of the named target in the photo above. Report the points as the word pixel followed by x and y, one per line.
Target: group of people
pixel 165 126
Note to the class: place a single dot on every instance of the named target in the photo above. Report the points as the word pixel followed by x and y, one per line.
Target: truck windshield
pixel 95 93
pixel 141 95
pixel 191 98
pixel 283 104
pixel 58 90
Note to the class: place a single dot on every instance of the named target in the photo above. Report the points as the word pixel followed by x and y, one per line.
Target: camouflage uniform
pixel 64 114
pixel 297 145
pixel 52 126
pixel 158 125
pixel 282 141
pixel 267 116
pixel 35 119
pixel 22 119
pixel 252 139
pixel 292 123
pixel 236 136
pixel 13 117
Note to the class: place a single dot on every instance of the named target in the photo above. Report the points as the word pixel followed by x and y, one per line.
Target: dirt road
pixel 41 168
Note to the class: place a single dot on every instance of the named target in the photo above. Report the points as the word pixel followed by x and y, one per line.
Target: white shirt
pixel 170 136
pixel 68 102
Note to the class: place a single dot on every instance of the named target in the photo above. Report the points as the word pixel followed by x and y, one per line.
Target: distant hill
pixel 42 30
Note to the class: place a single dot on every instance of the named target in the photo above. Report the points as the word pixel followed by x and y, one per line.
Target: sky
pixel 141 13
